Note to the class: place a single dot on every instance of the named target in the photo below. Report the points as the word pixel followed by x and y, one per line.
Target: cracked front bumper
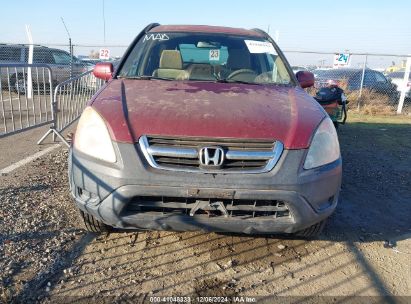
pixel 107 190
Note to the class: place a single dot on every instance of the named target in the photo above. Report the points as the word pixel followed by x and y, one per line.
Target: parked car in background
pixel 92 83
pixel 296 69
pixel 61 63
pixel 373 80
pixel 205 128
pixel 88 63
pixel 398 79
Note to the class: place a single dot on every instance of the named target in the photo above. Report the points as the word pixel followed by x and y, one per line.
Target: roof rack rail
pixel 23 44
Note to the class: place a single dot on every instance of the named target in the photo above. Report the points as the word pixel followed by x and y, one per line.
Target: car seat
pixel 171 66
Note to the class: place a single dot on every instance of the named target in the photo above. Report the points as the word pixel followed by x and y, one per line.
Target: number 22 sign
pixel 104 54
pixel 341 60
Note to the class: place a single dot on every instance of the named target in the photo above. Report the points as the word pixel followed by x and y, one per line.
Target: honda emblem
pixel 211 156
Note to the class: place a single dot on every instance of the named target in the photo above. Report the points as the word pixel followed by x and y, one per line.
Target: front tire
pixel 93 225
pixel 312 231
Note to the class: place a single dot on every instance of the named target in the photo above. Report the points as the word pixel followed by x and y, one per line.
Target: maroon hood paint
pixel 132 108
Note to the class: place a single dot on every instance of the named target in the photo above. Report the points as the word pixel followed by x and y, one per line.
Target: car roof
pixel 26 46
pixel 338 73
pixel 206 29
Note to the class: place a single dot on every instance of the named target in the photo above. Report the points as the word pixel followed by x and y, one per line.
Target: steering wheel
pixel 246 72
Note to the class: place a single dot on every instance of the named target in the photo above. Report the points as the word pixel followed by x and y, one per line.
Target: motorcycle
pixel 334 102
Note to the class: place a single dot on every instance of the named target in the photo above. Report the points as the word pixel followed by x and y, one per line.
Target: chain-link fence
pixel 62 62
pixel 372 82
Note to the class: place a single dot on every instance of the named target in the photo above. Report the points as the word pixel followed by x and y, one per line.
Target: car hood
pixel 132 108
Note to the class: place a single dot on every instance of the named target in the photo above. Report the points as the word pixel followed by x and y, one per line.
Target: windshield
pixel 205 57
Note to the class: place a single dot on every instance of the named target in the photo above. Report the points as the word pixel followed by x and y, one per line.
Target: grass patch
pixel 374 134
pixel 378 119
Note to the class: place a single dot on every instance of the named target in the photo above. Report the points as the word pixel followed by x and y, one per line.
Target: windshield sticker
pixel 154 37
pixel 258 47
pixel 214 55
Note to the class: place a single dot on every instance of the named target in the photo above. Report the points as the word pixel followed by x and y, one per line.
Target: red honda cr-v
pixel 205 128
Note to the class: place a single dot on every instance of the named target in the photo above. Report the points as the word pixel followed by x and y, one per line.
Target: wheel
pixel 93 225
pixel 312 231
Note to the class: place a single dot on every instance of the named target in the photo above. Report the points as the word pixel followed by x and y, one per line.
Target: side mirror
pixel 306 79
pixel 103 70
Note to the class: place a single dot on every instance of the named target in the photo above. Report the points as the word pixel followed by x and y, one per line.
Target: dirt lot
pixel 44 257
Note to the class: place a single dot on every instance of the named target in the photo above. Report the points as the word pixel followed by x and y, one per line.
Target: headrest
pixel 171 59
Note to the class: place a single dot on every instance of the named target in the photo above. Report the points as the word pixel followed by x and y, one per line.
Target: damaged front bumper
pixel 284 200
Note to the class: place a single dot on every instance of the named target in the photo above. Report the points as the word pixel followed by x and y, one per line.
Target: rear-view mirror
pixel 103 70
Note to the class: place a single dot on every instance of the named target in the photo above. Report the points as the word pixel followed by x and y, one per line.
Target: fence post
pixel 404 85
pixel 71 58
pixel 362 80
pixel 29 61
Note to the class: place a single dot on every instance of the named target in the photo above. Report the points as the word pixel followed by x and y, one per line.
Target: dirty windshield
pixel 205 57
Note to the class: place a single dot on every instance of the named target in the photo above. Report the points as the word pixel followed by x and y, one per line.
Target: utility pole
pixel 321 62
pixel 70 47
pixel 104 25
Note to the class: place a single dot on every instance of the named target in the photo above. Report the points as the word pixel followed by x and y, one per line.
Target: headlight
pixel 324 147
pixel 92 137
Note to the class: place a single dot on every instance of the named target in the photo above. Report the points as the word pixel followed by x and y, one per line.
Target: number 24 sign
pixel 104 54
pixel 341 60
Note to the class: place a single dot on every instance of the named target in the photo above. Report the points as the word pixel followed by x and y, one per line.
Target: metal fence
pixel 71 97
pixel 25 97
pixel 28 98
pixel 69 100
pixel 373 82
pixel 72 77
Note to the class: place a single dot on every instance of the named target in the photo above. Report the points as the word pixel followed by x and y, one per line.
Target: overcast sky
pixel 359 26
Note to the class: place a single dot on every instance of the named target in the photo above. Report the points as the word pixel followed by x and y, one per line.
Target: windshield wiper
pixel 220 79
pixel 146 77
pixel 217 79
pixel 225 80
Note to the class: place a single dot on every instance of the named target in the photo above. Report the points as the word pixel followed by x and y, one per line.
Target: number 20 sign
pixel 341 60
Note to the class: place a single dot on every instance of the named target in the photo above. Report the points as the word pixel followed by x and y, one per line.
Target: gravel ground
pixel 37 226
pixel 44 257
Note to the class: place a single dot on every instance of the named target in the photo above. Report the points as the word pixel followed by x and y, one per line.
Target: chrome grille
pixel 182 154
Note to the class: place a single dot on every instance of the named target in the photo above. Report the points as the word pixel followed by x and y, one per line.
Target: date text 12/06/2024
pixel 235 299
